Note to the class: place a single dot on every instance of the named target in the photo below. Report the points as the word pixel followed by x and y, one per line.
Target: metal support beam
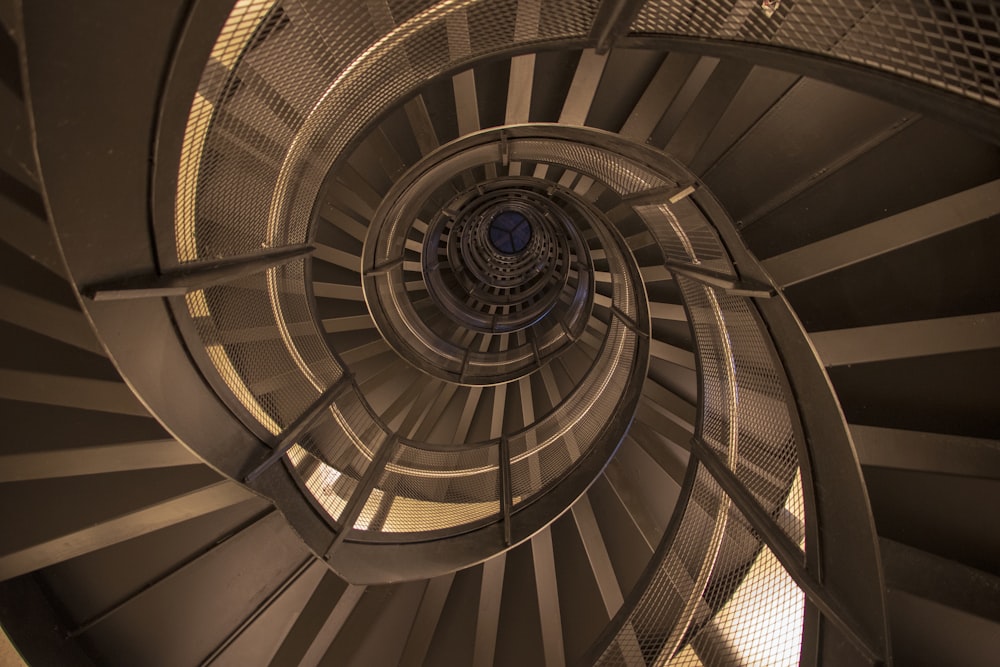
pixel 614 17
pixel 357 501
pixel 124 527
pixel 334 623
pixel 488 614
pixel 426 621
pixel 629 323
pixel 547 590
pixel 787 552
pixel 941 580
pixel 882 236
pixel 672 354
pixel 941 453
pixel 731 285
pixel 73 461
pixel 582 89
pixel 177 567
pixel 259 610
pixel 903 340
pixel 287 438
pixel 70 392
pixel 320 606
pixel 184 279
pixel 67 325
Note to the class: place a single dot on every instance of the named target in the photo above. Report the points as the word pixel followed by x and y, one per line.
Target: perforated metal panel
pixel 424 490
pixel 951 44
pixel 718 596
pixel 745 406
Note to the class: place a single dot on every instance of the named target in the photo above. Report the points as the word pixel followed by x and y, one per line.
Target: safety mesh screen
pixel 759 624
pixel 540 455
pixel 744 409
pixel 335 452
pixel 951 44
pixel 622 176
pixel 685 235
pixel 718 595
pixel 423 490
pixel 247 343
pixel 287 87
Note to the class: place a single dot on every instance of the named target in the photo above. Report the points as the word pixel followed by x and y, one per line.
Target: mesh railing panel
pixel 425 490
pixel 540 455
pixel 953 44
pixel 718 595
pixel 758 625
pixel 622 176
pixel 685 235
pixel 336 451
pixel 246 343
pixel 743 392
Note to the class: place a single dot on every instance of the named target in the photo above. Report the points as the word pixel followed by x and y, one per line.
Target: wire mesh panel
pixel 953 44
pixel 336 451
pixel 622 176
pixel 541 454
pixel 685 235
pixel 422 491
pixel 247 344
pixel 759 612
pixel 717 596
pixel 745 411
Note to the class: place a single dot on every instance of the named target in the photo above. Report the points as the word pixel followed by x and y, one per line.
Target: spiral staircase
pixel 492 333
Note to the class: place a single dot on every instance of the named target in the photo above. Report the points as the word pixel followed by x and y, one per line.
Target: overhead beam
pixel 426 621
pixel 124 527
pixel 903 340
pixel 260 610
pixel 46 464
pixel 333 624
pixel 547 590
pixel 672 354
pixel 67 325
pixel 614 17
pixel 310 620
pixel 488 614
pixel 597 556
pixel 942 453
pixel 70 392
pixel 882 236
pixel 941 580
pixel 582 89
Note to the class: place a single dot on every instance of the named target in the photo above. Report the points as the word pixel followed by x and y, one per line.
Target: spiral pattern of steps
pixel 445 346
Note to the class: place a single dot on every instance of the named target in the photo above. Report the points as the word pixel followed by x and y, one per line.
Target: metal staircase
pixel 730 399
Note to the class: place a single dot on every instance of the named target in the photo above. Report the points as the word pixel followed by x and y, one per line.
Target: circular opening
pixel 510 232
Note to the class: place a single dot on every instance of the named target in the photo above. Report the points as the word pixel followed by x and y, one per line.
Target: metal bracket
pixel 356 503
pixel 188 278
pixel 733 286
pixel 290 435
pixel 613 20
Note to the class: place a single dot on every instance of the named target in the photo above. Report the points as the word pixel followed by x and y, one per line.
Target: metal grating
pixel 540 455
pixel 622 176
pixel 334 454
pixel 744 402
pixel 423 490
pixel 685 235
pixel 718 596
pixel 246 343
pixel 949 44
